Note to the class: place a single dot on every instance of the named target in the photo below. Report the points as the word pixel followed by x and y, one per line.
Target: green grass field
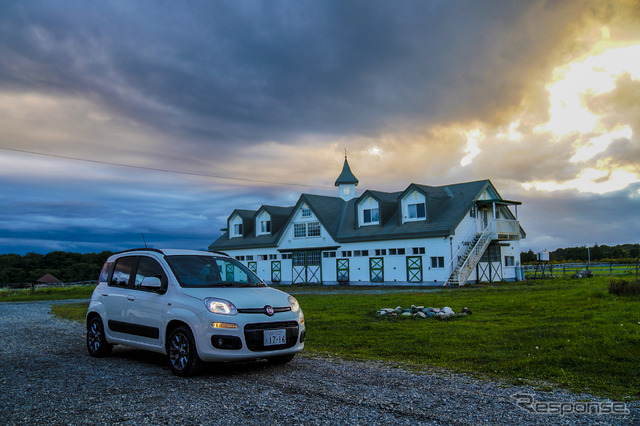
pixel 52 293
pixel 552 333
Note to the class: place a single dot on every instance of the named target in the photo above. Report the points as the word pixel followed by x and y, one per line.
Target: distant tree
pixel 634 252
pixel 527 257
pixel 11 274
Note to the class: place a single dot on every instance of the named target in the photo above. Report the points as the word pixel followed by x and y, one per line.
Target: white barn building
pixel 444 235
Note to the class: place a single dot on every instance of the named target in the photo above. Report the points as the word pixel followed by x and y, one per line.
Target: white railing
pixel 476 253
pixel 505 226
pixel 463 246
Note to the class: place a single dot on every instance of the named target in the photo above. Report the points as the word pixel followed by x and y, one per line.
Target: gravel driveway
pixel 46 376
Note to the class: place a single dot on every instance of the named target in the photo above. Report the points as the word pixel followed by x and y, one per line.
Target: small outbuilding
pixel 48 279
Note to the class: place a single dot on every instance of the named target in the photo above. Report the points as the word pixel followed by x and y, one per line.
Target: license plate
pixel 275 337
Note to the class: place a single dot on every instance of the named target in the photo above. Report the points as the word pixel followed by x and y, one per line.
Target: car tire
pixel 183 355
pixel 97 344
pixel 280 360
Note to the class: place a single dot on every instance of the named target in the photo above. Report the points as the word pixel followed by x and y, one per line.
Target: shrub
pixel 624 288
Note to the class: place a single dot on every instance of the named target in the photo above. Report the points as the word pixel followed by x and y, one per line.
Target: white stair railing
pixel 476 253
pixel 453 264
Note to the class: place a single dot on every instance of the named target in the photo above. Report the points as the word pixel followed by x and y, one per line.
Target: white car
pixel 194 306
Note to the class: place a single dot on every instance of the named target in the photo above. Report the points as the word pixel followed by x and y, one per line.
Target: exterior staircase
pixel 470 257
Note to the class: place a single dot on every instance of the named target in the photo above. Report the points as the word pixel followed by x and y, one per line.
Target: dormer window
pixel 265 226
pixel 371 215
pixel 417 211
pixel 414 206
pixel 306 212
pixel 237 229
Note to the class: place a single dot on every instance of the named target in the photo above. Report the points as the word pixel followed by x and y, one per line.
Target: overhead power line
pixel 155 169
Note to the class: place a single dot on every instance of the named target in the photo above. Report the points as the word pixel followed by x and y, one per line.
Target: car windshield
pixel 210 271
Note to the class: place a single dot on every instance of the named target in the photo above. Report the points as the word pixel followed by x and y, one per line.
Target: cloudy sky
pixel 161 117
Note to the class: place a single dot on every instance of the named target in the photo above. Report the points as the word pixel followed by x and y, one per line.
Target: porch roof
pixel 499 202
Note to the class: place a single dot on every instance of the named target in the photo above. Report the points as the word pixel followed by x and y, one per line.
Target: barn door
pixel 342 270
pixel 414 269
pixel 276 271
pixel 376 269
pixel 306 267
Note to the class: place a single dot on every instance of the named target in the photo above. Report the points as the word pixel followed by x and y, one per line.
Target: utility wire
pixel 154 169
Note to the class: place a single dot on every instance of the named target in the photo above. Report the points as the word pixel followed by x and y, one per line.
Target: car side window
pixel 122 271
pixel 104 273
pixel 148 267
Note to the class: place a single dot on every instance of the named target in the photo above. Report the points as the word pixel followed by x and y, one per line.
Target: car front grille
pixel 254 335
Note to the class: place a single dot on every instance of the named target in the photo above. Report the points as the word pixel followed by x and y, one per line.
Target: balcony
pixel 504 229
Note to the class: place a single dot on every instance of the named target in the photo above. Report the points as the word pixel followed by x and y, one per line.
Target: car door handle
pixel 131 298
pixel 105 294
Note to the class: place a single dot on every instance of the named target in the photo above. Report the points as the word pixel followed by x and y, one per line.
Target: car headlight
pixel 220 306
pixel 295 306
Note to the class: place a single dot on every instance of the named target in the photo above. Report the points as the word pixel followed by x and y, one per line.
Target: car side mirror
pixel 151 282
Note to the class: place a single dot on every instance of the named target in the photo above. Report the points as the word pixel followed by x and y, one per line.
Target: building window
pixel 418 250
pixel 381 252
pixel 509 261
pixel 417 211
pixel 329 254
pixel 286 256
pixel 371 216
pixel 237 229
pixel 250 257
pixel 472 212
pixel 393 252
pixel 306 212
pixel 239 257
pixel 265 226
pixel 346 253
pixel 273 256
pixel 262 257
pixel 313 229
pixel 401 251
pixel 299 230
pixel 437 262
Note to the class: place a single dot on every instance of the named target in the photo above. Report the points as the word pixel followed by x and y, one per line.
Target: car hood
pixel 244 297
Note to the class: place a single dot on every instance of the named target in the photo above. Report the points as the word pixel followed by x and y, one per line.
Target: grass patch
pixel 621 287
pixel 71 311
pixel 52 293
pixel 558 333
pixel 571 334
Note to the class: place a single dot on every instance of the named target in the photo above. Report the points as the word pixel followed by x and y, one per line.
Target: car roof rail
pixel 218 252
pixel 141 249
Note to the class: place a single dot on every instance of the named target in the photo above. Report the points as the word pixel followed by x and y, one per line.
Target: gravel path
pixel 46 376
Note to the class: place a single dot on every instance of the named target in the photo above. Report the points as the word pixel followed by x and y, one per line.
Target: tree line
pixel 597 253
pixel 67 267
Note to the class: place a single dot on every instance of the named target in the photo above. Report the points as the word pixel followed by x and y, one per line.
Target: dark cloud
pixel 242 72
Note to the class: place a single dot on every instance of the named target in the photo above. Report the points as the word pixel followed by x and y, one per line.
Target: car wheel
pixel 280 360
pixel 183 356
pixel 96 341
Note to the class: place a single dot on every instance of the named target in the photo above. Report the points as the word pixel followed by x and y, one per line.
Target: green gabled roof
pixel 346 177
pixel 447 206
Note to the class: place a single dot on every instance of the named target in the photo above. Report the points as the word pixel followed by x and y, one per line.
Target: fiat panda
pixel 193 306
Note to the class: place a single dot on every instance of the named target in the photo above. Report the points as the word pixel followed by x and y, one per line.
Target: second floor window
pixel 299 230
pixel 306 212
pixel 302 230
pixel 265 226
pixel 313 229
pixel 237 229
pixel 371 216
pixel 417 211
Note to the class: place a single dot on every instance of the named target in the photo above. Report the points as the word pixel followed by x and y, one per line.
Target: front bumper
pixel 247 340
